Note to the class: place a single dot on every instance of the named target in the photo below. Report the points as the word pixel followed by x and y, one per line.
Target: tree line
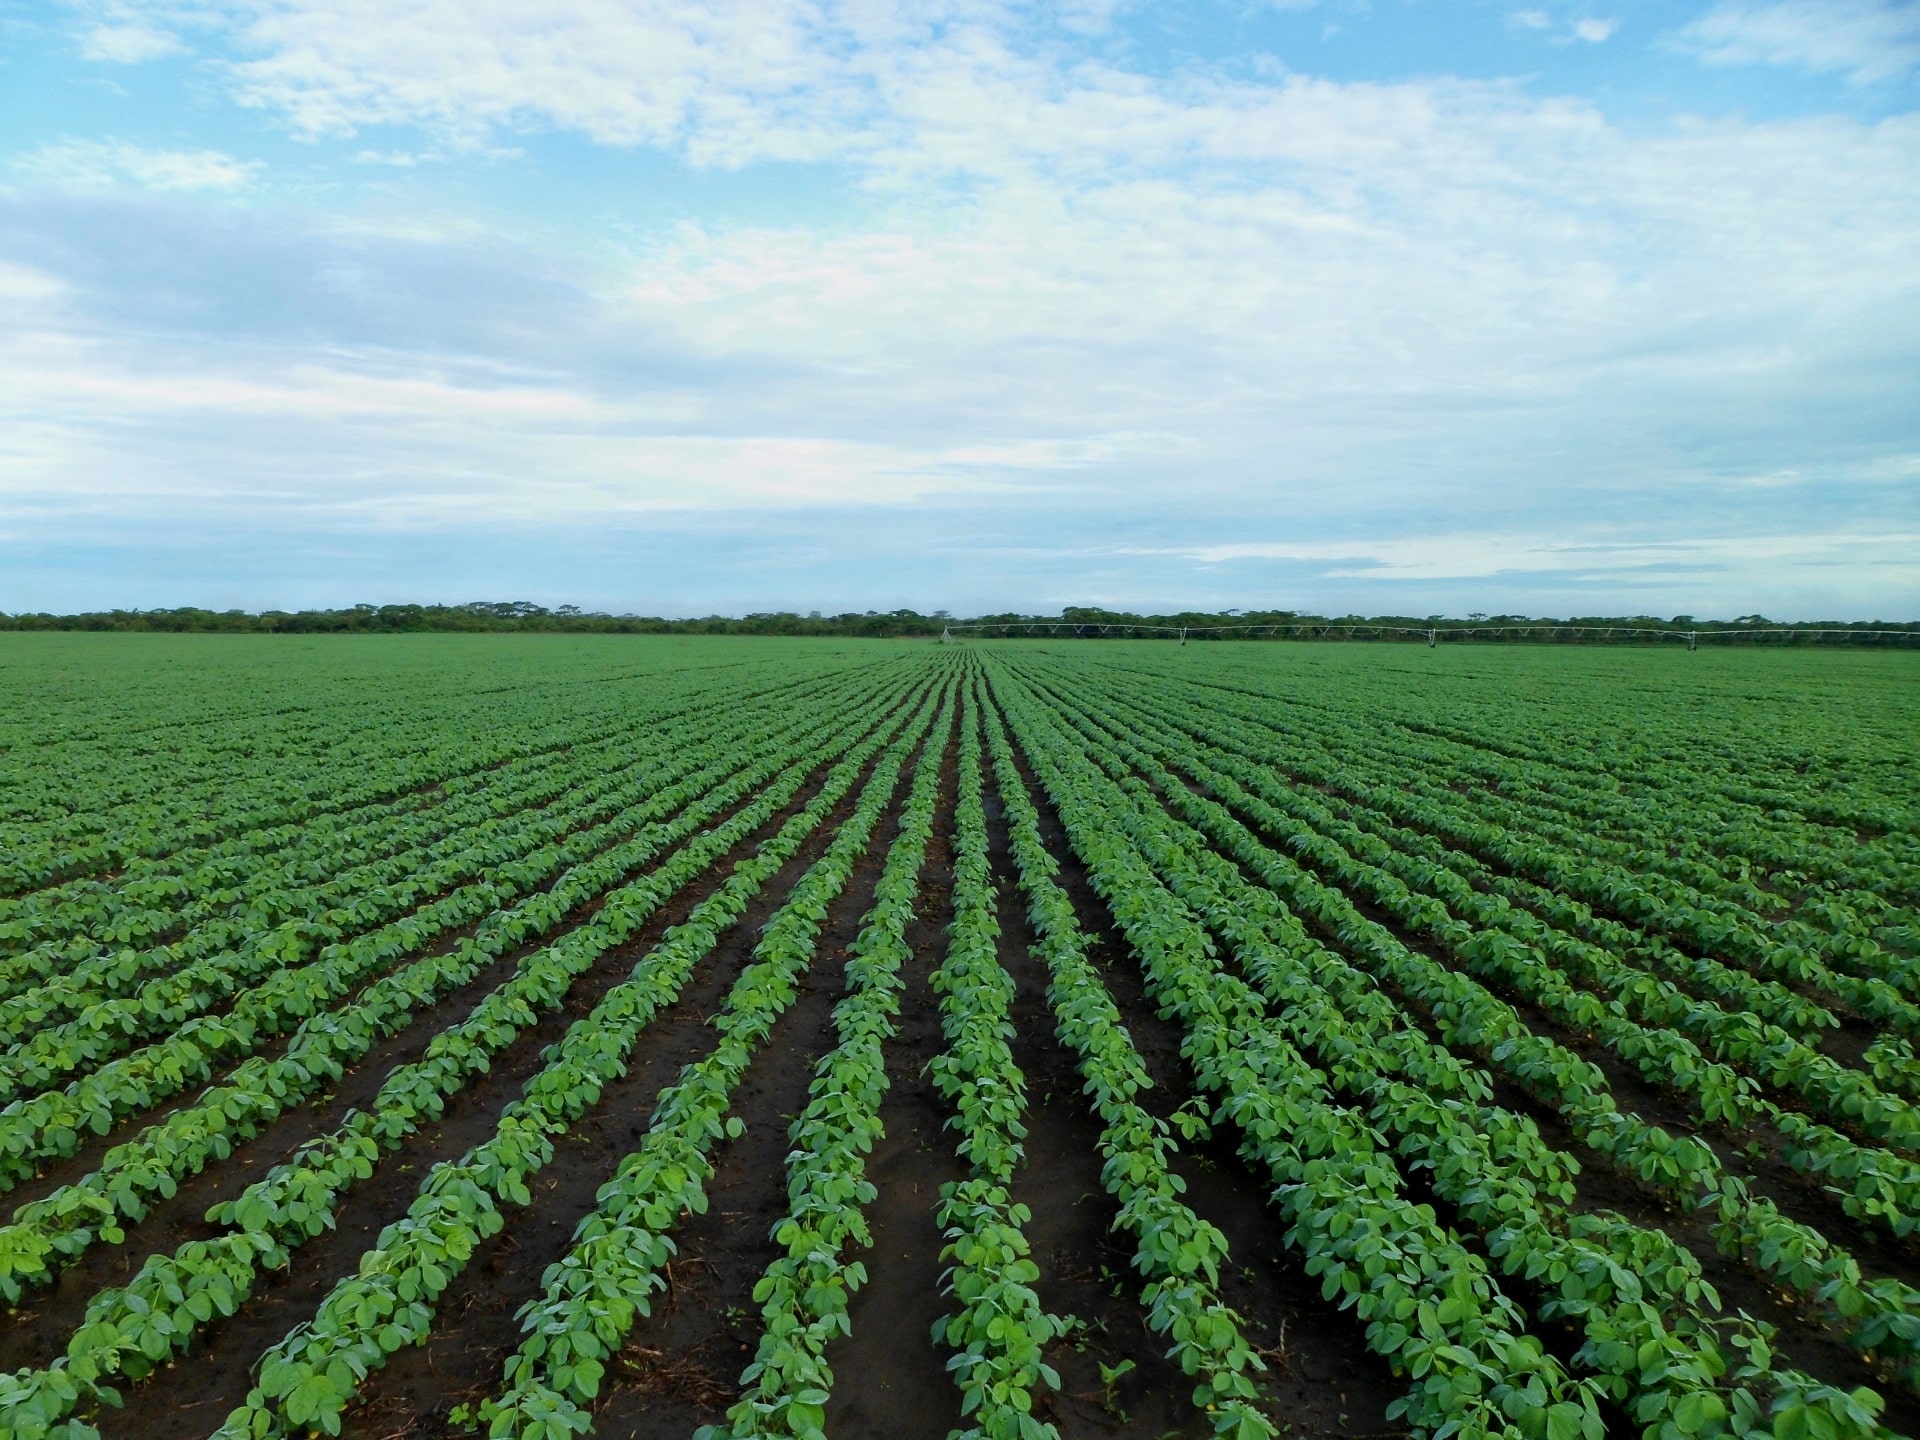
pixel 1092 622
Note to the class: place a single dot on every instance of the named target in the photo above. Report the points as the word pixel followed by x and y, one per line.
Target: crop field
pixel 540 1036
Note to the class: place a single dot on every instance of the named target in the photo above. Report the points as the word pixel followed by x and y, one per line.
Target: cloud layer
pixel 1867 41
pixel 1200 323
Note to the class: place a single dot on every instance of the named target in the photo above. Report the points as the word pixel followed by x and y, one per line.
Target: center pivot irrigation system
pixel 1315 630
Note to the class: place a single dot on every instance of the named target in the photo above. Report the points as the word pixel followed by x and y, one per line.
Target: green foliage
pixel 1393 922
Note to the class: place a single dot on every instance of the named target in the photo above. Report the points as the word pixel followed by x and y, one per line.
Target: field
pixel 539 1036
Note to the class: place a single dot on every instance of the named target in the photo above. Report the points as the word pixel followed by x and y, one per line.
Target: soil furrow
pixel 43 1326
pixel 478 1327
pixel 894 1380
pixel 216 1377
pixel 1321 1376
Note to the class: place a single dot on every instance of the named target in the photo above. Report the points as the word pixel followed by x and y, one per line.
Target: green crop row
pixel 1880 1315
pixel 593 1295
pixel 130 1328
pixel 1643 1021
pixel 194 904
pixel 805 1292
pixel 1180 1254
pixel 111 1024
pixel 147 1169
pixel 309 1378
pixel 999 1336
pixel 1649 1319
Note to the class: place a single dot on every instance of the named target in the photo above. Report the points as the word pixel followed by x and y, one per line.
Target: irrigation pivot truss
pixel 1432 634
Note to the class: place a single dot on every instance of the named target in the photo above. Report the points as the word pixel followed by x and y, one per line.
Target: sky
pixel 1360 306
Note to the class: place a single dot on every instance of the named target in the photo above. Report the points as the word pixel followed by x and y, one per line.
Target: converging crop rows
pixel 536 1037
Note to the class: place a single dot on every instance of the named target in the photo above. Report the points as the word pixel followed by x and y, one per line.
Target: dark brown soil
pixel 1849 1043
pixel 891 1379
pixel 1810 1340
pixel 679 1366
pixel 1321 1381
pixel 40 1329
pixel 202 1388
pixel 94 1149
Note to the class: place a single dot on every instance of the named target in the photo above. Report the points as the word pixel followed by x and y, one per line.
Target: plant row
pixel 136 1174
pixel 200 902
pixel 595 1293
pixel 1431 1307
pixel 130 1328
pixel 1650 1321
pixel 1180 1254
pixel 999 1335
pixel 805 1292
pixel 1735 1037
pixel 310 1376
pixel 1880 1315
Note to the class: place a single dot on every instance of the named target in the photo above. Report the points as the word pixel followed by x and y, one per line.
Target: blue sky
pixel 1402 306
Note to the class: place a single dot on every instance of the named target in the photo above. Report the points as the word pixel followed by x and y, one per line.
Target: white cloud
pixel 128 43
pixel 509 451
pixel 105 164
pixel 1307 294
pixel 24 285
pixel 132 32
pixel 1868 41
pixel 1287 298
pixel 658 73
pixel 1428 243
pixel 1589 30
pixel 1483 555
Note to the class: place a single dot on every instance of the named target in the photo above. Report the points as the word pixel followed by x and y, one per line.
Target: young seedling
pixel 1110 1378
